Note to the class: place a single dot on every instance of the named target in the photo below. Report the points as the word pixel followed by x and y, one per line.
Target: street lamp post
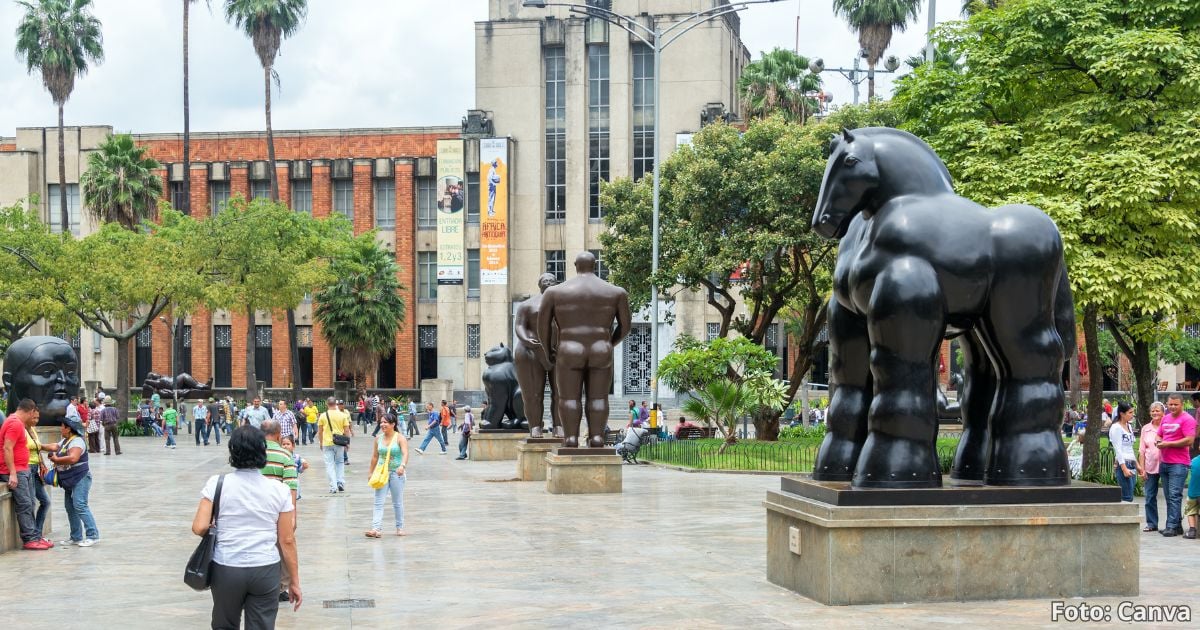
pixel 657 39
pixel 854 75
pixel 173 326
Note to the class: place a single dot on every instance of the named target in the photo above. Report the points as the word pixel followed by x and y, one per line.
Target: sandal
pixel 400 532
pixel 1149 529
pixel 374 533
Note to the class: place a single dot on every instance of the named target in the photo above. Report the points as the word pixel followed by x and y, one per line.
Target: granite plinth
pixel 953 493
pixel 877 554
pixel 598 471
pixel 531 458
pixel 492 446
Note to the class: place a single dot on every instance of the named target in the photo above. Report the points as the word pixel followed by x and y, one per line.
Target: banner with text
pixel 493 199
pixel 451 202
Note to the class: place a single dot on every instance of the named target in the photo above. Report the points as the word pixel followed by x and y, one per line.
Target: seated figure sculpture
pixel 44 370
pixel 184 385
pixel 505 408
pixel 917 264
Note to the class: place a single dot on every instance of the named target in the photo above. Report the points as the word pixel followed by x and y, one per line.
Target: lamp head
pixel 816 66
pixel 534 4
pixel 891 63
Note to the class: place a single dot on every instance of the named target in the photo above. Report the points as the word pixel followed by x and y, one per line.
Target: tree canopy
pixel 875 21
pixel 120 184
pixel 780 82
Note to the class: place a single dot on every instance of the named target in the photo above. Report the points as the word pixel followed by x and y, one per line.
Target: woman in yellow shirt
pixel 39 486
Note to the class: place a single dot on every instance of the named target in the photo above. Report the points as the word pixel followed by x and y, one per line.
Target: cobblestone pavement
pixel 675 550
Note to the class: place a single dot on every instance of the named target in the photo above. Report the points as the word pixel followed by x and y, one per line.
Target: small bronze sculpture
pixel 583 309
pixel 531 373
pixel 184 385
pixel 44 370
pixel 505 409
pixel 917 263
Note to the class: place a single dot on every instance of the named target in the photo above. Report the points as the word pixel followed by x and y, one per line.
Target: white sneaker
pixel 420 451
pixel 442 453
pixel 87 542
pixel 67 543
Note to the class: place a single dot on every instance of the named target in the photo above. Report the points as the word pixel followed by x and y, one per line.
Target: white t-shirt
pixel 247 525
pixel 1122 443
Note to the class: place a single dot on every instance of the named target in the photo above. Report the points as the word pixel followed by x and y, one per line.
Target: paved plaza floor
pixel 675 550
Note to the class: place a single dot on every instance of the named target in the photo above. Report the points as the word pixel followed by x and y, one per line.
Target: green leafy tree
pixel 693 364
pixel 875 21
pixel 267 23
pixel 24 297
pixel 779 82
pixel 120 184
pixel 723 402
pixel 363 309
pixel 59 38
pixel 1087 110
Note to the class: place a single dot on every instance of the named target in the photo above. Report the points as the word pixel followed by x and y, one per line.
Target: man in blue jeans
pixel 1175 435
pixel 433 429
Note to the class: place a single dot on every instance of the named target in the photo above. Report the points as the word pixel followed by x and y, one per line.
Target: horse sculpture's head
pixel 851 175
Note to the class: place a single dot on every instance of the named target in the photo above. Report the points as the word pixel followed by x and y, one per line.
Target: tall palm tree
pixel 120 183
pixel 267 23
pixel 59 38
pixel 971 7
pixel 875 21
pixel 363 310
pixel 779 82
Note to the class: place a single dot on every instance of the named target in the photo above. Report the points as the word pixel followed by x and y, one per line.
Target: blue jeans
pixel 434 433
pixel 462 444
pixel 1126 483
pixel 79 515
pixel 1151 488
pixel 43 499
pixel 1172 477
pixel 170 436
pixel 395 486
pixel 335 469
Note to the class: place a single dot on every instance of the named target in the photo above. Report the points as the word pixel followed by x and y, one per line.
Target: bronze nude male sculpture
pixel 531 373
pixel 44 370
pixel 583 308
pixel 918 264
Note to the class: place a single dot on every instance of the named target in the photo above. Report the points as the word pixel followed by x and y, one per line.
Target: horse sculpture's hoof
pixel 1028 459
pixel 836 459
pixel 891 462
pixel 971 457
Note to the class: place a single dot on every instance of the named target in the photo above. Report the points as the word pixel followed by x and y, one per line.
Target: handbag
pixel 339 439
pixel 198 572
pixel 65 478
pixel 379 476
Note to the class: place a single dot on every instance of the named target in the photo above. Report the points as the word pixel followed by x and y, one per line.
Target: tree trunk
pixel 1076 381
pixel 1143 380
pixel 294 352
pixel 1095 406
pixel 270 135
pixel 187 117
pixel 123 347
pixel 62 175
pixel 870 82
pixel 251 344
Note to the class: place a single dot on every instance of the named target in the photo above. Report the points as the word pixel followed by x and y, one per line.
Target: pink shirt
pixel 1150 454
pixel 1176 428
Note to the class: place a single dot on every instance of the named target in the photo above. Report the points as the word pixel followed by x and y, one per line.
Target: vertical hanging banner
pixel 493 202
pixel 451 200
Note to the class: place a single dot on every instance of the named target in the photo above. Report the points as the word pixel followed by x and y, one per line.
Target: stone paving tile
pixel 675 550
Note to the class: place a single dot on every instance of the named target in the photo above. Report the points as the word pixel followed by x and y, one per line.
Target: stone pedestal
pixel 850 549
pixel 494 446
pixel 531 457
pixel 583 471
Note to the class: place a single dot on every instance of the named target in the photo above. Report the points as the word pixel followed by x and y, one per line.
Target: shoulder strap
pixel 217 500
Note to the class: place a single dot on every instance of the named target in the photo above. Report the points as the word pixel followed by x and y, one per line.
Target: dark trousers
pixel 23 500
pixel 445 435
pixel 112 440
pixel 462 444
pixel 253 591
pixel 93 442
pixel 412 427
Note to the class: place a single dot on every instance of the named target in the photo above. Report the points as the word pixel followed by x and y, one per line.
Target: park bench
pixel 696 433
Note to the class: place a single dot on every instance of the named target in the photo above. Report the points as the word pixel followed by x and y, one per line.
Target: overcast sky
pixel 356 63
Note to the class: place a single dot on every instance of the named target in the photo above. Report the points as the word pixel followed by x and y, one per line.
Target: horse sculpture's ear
pixel 847 135
pixel 832 146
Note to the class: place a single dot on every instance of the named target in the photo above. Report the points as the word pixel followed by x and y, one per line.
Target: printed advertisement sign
pixel 451 208
pixel 493 203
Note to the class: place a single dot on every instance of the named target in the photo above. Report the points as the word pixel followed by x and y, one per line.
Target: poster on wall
pixel 493 200
pixel 451 206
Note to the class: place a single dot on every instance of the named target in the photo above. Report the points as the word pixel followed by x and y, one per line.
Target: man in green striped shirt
pixel 280 467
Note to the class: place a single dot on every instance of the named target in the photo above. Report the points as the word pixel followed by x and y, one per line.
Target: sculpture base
pixel 598 471
pixel 494 446
pixel 531 458
pixel 877 554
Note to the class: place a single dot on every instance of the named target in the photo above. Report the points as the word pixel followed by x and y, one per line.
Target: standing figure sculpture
pixel 44 370
pixel 917 264
pixel 583 309
pixel 531 373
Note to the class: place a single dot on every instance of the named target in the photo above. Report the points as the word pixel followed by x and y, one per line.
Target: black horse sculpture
pixel 917 264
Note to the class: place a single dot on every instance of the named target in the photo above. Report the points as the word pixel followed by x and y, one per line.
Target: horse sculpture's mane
pixel 903 147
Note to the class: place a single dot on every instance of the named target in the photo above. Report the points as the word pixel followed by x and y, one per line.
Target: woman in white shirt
pixel 1120 436
pixel 256 526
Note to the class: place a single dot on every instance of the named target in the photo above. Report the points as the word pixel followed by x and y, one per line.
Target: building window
pixel 556 263
pixel 385 203
pixel 598 110
pixel 473 198
pixel 178 195
pixel 472 341
pixel 643 110
pixel 426 203
pixel 223 356
pixel 56 208
pixel 427 352
pixel 218 193
pixel 185 357
pixel 302 195
pixel 427 276
pixel 262 354
pixel 472 274
pixel 711 331
pixel 556 134
pixel 343 197
pixel 601 269
pixel 260 189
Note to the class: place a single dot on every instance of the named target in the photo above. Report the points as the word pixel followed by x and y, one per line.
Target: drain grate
pixel 348 603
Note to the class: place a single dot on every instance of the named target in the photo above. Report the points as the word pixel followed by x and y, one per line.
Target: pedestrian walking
pixel 445 415
pixel 109 419
pixel 433 429
pixel 309 433
pixel 281 467
pixel 1120 436
pixel 413 431
pixel 333 422
pixel 391 450
pixel 468 425
pixel 1174 438
pixel 200 422
pixel 286 420
pixel 170 424
pixel 93 428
